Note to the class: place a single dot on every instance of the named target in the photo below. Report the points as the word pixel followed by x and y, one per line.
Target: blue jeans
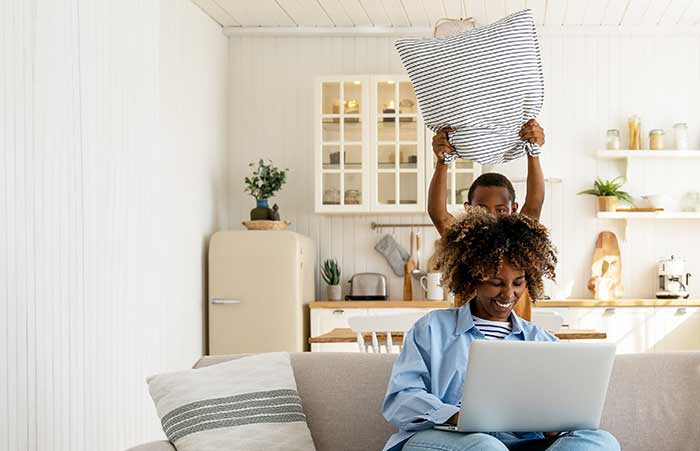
pixel 435 440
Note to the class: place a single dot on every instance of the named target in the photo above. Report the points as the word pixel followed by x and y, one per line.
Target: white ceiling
pixel 423 13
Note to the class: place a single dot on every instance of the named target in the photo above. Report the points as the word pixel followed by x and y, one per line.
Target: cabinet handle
pixel 225 301
pixel 338 312
pixel 609 311
pixel 681 311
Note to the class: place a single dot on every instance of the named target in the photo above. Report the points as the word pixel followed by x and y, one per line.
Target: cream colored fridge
pixel 259 283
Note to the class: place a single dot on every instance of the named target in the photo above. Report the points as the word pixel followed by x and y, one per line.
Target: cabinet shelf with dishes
pixel 372 154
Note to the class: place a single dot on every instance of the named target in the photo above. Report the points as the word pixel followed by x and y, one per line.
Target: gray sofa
pixel 653 401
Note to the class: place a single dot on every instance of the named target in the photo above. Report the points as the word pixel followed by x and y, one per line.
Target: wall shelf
pixel 618 154
pixel 648 215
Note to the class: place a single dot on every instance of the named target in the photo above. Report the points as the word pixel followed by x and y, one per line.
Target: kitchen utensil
pixel 673 278
pixel 368 286
pixel 606 269
pixel 431 284
pixel 410 265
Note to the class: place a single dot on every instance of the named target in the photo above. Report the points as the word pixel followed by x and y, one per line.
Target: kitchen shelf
pixel 648 215
pixel 627 155
pixel 619 154
pixel 650 302
pixel 651 215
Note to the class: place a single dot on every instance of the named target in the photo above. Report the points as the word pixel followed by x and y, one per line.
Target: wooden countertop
pixel 379 304
pixel 346 335
pixel 620 303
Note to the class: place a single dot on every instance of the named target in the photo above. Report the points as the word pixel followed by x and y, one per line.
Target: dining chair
pixel 383 324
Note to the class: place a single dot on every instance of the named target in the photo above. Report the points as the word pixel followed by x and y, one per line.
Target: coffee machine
pixel 673 279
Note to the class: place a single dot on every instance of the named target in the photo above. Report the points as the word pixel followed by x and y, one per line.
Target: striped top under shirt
pixel 492 330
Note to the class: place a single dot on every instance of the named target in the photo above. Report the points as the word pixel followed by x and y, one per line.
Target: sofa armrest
pixel 162 445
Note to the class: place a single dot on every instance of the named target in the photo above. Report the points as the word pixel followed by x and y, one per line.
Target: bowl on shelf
pixel 662 201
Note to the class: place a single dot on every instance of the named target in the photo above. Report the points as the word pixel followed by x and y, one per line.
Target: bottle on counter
pixel 656 139
pixel 680 136
pixel 613 139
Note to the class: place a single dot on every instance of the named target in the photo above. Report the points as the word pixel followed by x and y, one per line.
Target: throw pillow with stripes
pixel 249 403
pixel 484 83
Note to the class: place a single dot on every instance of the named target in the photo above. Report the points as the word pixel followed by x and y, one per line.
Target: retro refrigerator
pixel 259 283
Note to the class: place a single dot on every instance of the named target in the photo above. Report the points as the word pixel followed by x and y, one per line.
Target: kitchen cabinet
pixel 677 329
pixel 638 329
pixel 373 153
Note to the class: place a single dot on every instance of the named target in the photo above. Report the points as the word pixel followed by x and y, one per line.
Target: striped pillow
pixel 249 403
pixel 484 83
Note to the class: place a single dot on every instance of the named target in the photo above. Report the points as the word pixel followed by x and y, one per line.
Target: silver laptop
pixel 529 386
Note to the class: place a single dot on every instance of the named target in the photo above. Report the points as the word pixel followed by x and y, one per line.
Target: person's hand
pixel 532 133
pixel 551 434
pixel 441 145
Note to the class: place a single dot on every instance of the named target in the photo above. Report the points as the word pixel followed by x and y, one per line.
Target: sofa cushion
pixel 251 402
pixel 484 83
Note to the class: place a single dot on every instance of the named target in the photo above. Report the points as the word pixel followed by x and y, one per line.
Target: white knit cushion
pixel 246 404
pixel 484 83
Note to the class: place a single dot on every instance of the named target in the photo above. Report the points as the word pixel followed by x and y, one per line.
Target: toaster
pixel 366 286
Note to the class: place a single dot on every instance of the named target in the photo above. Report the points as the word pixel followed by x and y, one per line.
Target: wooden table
pixel 346 335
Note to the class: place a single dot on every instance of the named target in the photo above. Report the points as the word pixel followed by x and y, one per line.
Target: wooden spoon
pixel 408 269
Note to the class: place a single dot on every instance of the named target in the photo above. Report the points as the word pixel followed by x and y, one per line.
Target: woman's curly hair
pixel 475 245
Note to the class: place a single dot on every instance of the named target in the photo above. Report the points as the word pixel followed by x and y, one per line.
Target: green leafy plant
pixel 331 272
pixel 609 188
pixel 265 181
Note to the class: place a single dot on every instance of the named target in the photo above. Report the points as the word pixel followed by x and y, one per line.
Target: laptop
pixel 530 386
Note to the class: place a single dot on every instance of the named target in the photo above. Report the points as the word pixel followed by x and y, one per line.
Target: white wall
pixel 112 152
pixel 593 81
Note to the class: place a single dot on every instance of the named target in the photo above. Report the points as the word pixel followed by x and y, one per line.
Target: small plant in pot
pixel 263 184
pixel 330 271
pixel 609 193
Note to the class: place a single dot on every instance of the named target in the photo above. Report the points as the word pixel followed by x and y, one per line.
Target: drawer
pixel 326 319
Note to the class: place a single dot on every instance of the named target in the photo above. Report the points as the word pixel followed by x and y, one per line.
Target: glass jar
pixel 634 124
pixel 656 139
pixel 613 140
pixel 680 136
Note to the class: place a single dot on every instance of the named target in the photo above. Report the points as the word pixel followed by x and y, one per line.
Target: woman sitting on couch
pixel 499 258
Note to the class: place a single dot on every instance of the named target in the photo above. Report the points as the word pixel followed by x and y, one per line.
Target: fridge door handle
pixel 225 301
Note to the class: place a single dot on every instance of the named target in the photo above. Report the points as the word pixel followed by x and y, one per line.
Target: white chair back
pixel 385 324
pixel 552 321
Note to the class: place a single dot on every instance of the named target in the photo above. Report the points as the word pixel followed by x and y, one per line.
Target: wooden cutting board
pixel 408 268
pixel 606 269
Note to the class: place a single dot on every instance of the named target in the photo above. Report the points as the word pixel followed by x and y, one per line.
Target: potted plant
pixel 263 184
pixel 330 271
pixel 608 193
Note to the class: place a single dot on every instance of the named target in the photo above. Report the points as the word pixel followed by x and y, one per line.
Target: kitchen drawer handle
pixel 681 311
pixel 225 301
pixel 609 311
pixel 337 312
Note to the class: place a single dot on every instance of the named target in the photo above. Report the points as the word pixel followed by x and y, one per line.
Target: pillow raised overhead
pixel 249 403
pixel 484 83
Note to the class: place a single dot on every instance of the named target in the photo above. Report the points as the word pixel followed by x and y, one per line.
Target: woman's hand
pixel 532 133
pixel 441 145
pixel 551 434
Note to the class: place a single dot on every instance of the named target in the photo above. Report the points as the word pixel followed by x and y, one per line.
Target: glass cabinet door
pixel 343 143
pixel 460 175
pixel 397 136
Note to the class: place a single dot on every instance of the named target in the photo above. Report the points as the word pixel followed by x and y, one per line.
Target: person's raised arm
pixel 534 199
pixel 437 192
